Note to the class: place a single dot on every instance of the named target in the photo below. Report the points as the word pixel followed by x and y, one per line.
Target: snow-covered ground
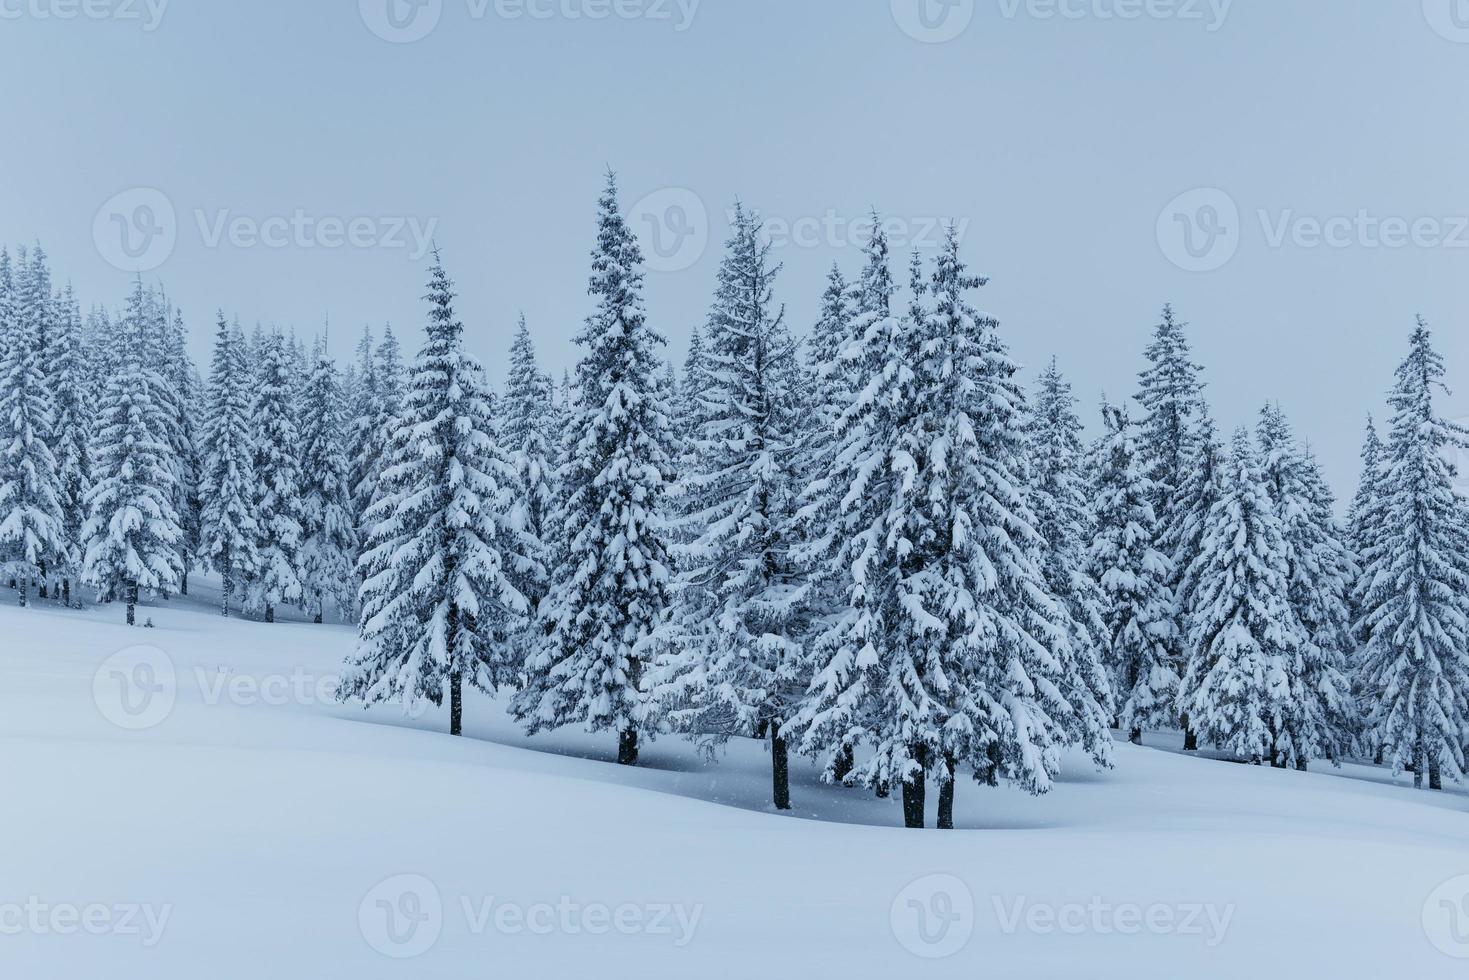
pixel 198 808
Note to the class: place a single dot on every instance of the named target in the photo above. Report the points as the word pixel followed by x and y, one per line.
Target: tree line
pixel 871 545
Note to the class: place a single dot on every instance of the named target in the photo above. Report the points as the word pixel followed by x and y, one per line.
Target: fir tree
pixel 229 531
pixel 32 527
pixel 1245 636
pixel 277 500
pixel 1416 662
pixel 440 602
pixel 132 531
pixel 611 588
pixel 529 441
pixel 742 595
pixel 74 398
pixel 1134 576
pixel 328 535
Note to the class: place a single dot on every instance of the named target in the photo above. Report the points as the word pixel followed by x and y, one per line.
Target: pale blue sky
pixel 1058 140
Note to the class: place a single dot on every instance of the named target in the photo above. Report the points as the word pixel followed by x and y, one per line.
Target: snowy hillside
pixel 216 817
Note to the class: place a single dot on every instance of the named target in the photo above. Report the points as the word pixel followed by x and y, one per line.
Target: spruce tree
pixel 132 532
pixel 277 499
pixel 1413 609
pixel 72 443
pixel 741 594
pixel 1237 687
pixel 529 441
pixel 440 603
pixel 328 533
pixel 611 588
pixel 229 531
pixel 1134 576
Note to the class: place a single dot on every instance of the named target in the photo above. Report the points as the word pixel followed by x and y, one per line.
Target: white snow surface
pixel 272 837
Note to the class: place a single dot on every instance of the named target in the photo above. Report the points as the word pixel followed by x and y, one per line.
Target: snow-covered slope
pixel 236 824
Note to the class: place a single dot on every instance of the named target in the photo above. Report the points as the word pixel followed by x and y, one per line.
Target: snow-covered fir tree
pixel 1171 395
pixel 181 382
pixel 1134 576
pixel 228 529
pixel 740 667
pixel 376 416
pixel 1319 716
pixel 72 392
pixel 530 443
pixel 1237 687
pixel 611 585
pixel 1416 573
pixel 328 533
pixel 132 532
pixel 32 527
pixel 277 499
pixel 439 601
pixel 1058 497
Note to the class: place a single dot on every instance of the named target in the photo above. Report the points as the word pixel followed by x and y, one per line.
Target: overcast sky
pixel 1293 175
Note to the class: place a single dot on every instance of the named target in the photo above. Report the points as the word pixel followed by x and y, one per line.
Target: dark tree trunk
pixel 1135 736
pixel 1381 755
pixel 1302 765
pixel 66 592
pixel 25 584
pixel 946 793
pixel 627 747
pixel 913 789
pixel 43 582
pixel 131 591
pixel 1418 766
pixel 845 763
pixel 456 703
pixel 882 790
pixel 1190 737
pixel 184 583
pixel 1435 775
pixel 780 767
pixel 320 605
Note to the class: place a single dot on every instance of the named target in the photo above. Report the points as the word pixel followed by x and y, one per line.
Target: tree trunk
pixel 184 583
pixel 845 763
pixel 1190 737
pixel 1418 767
pixel 1381 755
pixel 1302 765
pixel 882 790
pixel 131 591
pixel 25 584
pixel 224 596
pixel 456 703
pixel 1135 736
pixel 66 592
pixel 269 613
pixel 913 788
pixel 1435 775
pixel 946 793
pixel 780 767
pixel 627 747
pixel 320 605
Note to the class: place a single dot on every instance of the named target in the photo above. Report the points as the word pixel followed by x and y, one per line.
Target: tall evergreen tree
pixel 611 588
pixel 529 441
pixel 1413 607
pixel 74 398
pixel 32 527
pixel 328 534
pixel 1134 576
pixel 277 500
pixel 1237 687
pixel 742 595
pixel 132 531
pixel 229 531
pixel 440 602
